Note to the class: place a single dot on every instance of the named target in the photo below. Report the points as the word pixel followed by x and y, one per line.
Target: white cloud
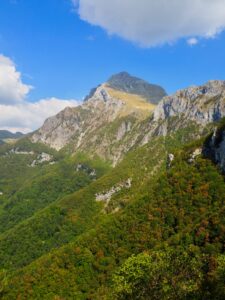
pixel 192 41
pixel 154 22
pixel 12 89
pixel 26 116
pixel 17 114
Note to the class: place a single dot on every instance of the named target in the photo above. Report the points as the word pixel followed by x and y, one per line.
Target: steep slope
pixel 68 217
pixel 184 208
pixel 16 163
pixel 200 106
pixel 126 83
pixel 32 178
pixel 46 183
pixel 203 104
pixel 214 147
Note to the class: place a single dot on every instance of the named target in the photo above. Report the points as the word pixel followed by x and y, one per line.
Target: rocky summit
pixel 126 83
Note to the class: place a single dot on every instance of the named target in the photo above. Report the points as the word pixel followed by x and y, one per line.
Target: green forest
pixel 163 237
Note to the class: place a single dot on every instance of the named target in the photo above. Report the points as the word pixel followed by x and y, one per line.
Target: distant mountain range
pixel 5 134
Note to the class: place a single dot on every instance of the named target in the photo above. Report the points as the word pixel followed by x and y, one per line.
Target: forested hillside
pixel 172 209
pixel 134 211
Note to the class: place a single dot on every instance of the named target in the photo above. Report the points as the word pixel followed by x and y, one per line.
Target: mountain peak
pixel 125 82
pixel 119 76
pixel 129 84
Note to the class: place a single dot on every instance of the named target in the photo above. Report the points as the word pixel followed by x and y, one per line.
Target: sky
pixel 53 52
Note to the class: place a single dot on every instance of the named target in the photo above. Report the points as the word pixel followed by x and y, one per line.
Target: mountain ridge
pixel 112 122
pixel 123 81
pixel 6 135
pixel 102 120
pixel 127 83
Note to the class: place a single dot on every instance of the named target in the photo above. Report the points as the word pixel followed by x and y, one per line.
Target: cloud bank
pixel 12 89
pixel 155 22
pixel 27 116
pixel 17 114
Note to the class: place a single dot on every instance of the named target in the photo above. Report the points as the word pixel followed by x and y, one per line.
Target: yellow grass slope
pixel 134 103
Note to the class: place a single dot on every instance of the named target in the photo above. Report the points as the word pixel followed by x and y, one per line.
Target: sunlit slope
pixel 105 124
pixel 67 218
pixel 177 208
pixel 134 103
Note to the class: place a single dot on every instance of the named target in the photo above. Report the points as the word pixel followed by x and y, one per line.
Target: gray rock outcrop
pixel 202 104
pixel 215 147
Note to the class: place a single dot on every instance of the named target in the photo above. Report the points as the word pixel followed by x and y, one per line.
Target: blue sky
pixel 63 56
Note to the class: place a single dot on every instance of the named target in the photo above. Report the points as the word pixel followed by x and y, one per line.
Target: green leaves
pixel 165 274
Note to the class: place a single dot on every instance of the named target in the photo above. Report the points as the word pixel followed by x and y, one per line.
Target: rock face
pixel 106 196
pixel 197 152
pixel 57 131
pixel 133 85
pixel 202 104
pixel 215 147
pixel 19 152
pixel 42 158
pixel 111 121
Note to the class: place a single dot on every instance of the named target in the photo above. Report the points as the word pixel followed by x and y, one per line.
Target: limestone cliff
pixel 203 104
pixel 215 147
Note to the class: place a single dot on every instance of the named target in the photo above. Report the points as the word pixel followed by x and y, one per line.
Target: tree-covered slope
pixel 47 184
pixel 184 208
pixel 47 220
pixel 28 188
pixel 16 161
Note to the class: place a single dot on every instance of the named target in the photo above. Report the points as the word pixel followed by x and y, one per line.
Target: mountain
pixel 124 82
pixel 101 124
pixel 5 134
pixel 111 122
pixel 118 198
pixel 132 85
